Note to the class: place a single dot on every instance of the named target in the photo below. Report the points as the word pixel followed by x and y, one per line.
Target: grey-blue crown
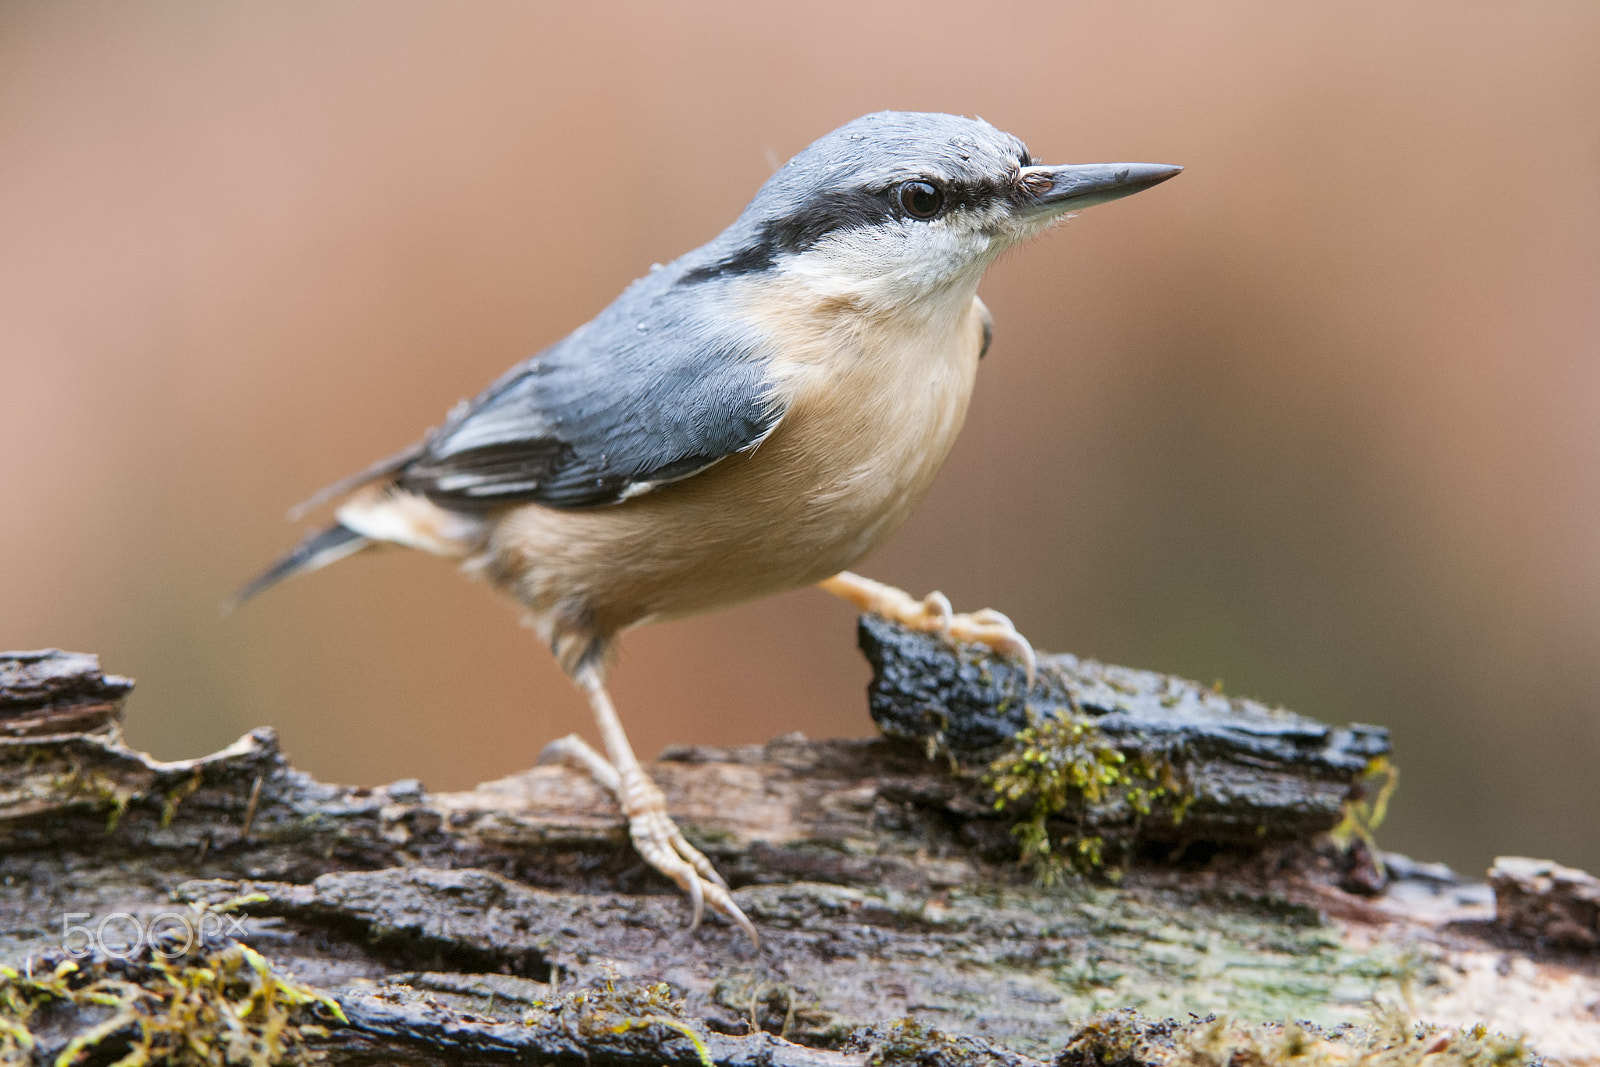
pixel 878 150
pixel 843 180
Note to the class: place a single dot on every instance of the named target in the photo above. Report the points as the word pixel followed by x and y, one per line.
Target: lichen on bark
pixel 513 923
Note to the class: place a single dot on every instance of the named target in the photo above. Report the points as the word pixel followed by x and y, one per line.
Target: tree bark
pixel 514 923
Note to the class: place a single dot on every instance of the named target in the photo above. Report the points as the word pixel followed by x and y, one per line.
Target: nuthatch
pixel 755 416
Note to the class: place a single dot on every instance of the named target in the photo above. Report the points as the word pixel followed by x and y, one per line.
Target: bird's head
pixel 902 208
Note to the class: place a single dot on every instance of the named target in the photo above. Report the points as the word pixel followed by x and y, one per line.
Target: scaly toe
pixel 936 613
pixel 574 752
pixel 722 902
pixel 694 857
pixel 990 627
pixel 653 836
pixel 658 839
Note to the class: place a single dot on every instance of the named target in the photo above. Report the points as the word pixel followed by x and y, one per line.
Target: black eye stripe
pixel 837 211
pixel 959 195
pixel 826 212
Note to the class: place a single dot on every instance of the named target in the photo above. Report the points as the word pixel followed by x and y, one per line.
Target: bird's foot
pixel 933 614
pixel 655 836
pixel 662 845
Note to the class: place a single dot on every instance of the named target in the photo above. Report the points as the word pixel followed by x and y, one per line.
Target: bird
pixel 752 417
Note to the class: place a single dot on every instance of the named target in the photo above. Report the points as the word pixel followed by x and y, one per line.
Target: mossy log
pixel 231 908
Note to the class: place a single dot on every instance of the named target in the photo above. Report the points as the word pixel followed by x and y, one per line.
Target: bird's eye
pixel 921 200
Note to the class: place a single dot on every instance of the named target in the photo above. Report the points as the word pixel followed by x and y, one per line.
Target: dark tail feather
pixel 381 469
pixel 317 550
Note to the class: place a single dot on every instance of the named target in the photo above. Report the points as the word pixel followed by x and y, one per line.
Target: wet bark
pixel 513 923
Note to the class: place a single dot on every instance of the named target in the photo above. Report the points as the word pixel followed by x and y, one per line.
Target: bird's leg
pixel 573 751
pixel 654 834
pixel 932 614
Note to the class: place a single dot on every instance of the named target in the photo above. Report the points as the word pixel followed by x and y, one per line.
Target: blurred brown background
pixel 1320 418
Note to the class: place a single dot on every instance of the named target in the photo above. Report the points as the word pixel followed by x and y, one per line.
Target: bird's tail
pixel 319 549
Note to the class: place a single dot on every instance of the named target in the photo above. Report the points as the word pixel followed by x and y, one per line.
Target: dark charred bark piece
pixel 1249 772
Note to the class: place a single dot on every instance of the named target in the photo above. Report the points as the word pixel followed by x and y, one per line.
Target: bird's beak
pixel 1053 190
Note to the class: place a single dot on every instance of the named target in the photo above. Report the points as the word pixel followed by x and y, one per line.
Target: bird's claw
pixel 989 627
pixel 985 626
pixel 655 836
pixel 936 614
pixel 933 614
pixel 662 844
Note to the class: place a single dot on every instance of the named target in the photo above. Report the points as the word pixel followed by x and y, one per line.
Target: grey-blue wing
pixel 637 398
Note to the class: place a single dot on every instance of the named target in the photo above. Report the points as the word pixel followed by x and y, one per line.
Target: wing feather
pixel 639 398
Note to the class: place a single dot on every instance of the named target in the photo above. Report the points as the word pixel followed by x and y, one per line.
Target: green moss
pixel 1112 1039
pixel 1367 806
pixel 908 1043
pixel 644 1022
pixel 608 1014
pixel 100 789
pixel 226 1005
pixel 1121 1039
pixel 608 1009
pixel 1065 769
pixel 711 839
pixel 779 1008
pixel 1085 947
pixel 178 795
